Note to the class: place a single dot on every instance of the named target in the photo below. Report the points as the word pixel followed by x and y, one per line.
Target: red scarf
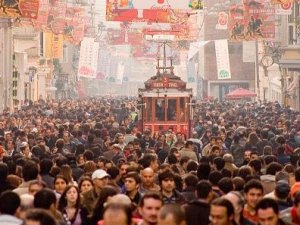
pixel 295 218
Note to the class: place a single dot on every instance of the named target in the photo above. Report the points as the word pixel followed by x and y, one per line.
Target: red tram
pixel 165 102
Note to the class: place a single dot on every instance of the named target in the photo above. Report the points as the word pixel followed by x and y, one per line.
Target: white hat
pixel 99 174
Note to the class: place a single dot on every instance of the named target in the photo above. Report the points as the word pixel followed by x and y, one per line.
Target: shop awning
pixel 241 93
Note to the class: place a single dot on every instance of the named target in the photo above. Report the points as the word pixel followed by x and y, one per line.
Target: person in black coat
pixel 197 211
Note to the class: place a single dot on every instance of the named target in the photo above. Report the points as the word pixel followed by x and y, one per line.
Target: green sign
pixel 224 74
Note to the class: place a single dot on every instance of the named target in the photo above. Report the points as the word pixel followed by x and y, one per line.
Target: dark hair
pixel 226 185
pixel 214 177
pixel 203 171
pixel 297 174
pixel 176 211
pixel 62 203
pixel 269 159
pixel 255 164
pixel 253 184
pixel 172 159
pixel 113 172
pixel 82 179
pixel 238 183
pixel 222 202
pixel 9 202
pixel 153 195
pixel 30 171
pixel 107 191
pixel 219 162
pixel 88 155
pixel 60 177
pixel 3 171
pixel 147 159
pixel 191 180
pixel 203 188
pixel 273 168
pixel 244 172
pixel 266 203
pixel 45 166
pixel 164 175
pixel 191 166
pixel 135 176
pixel 41 215
pixel 44 198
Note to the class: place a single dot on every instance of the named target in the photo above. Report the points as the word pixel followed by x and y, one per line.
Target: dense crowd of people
pixel 87 162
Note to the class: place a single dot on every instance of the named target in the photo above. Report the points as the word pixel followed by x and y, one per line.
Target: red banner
pixel 253 20
pixel 74 24
pixel 29 8
pixel 41 21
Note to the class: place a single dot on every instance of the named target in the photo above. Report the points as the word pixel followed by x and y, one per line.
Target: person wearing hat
pixel 89 198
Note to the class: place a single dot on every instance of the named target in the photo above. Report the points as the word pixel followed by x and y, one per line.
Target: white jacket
pixel 9 220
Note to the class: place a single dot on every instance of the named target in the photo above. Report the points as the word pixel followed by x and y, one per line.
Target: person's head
pixel 236 200
pixel 190 180
pixel 45 166
pixel 147 176
pixel 247 155
pixel 171 215
pixel 214 177
pixel 70 197
pixel 149 206
pixel 219 163
pixel 123 169
pixel 35 186
pixel 30 171
pixel 60 183
pixel 3 171
pixel 100 179
pixel 221 212
pixel 203 171
pixel 253 191
pixel 45 199
pixel 282 190
pixel 226 185
pixel 39 217
pixel 85 184
pixel 120 214
pixel 273 168
pixel 204 190
pixel 9 203
pixel 166 181
pixel 267 212
pixel 150 160
pixel 132 181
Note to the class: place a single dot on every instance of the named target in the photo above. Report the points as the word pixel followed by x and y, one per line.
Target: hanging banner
pixel 195 47
pixel 191 72
pixel 89 50
pixel 260 19
pixel 29 8
pixel 74 24
pixel 254 20
pixel 103 63
pixel 236 26
pixel 54 45
pixel 40 22
pixel 222 57
pixel 57 16
pixel 249 54
pixel 154 11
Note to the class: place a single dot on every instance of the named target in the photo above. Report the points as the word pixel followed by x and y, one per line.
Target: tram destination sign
pixel 164 85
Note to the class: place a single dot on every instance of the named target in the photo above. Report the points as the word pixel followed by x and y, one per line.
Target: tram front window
pixel 171 110
pixel 160 110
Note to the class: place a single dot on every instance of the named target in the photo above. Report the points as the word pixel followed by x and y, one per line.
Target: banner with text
pixel 88 59
pixel 222 57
